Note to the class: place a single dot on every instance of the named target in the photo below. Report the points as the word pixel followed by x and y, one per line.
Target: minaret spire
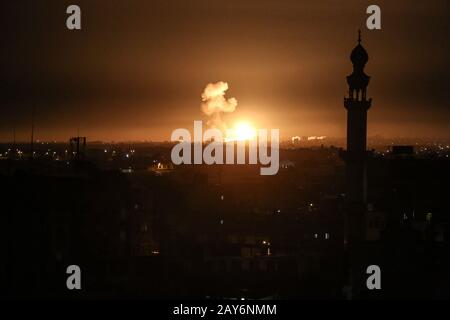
pixel 359 36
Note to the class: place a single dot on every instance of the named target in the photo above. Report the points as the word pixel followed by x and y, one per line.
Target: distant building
pixel 402 152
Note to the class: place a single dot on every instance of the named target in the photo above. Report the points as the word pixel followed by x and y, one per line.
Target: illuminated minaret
pixel 357 105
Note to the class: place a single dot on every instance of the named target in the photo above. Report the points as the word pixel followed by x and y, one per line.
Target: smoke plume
pixel 214 104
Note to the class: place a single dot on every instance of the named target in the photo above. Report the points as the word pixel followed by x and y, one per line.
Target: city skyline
pixel 150 63
pixel 245 152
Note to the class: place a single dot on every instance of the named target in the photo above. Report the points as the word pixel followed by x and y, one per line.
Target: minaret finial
pixel 359 36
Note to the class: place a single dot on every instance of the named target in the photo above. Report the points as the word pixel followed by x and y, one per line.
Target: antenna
pixel 14 139
pixel 32 133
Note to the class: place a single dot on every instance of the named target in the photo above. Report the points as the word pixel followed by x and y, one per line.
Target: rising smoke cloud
pixel 214 104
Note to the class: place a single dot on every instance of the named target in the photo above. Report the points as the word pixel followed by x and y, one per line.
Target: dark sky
pixel 137 69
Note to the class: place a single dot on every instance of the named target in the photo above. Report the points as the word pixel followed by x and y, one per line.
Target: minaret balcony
pixel 353 103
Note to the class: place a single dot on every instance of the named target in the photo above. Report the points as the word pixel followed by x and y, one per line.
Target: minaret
pixel 357 105
pixel 355 158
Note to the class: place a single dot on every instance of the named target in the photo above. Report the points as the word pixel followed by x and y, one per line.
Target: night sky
pixel 137 69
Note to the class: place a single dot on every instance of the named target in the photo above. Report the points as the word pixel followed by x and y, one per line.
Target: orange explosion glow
pixel 241 131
